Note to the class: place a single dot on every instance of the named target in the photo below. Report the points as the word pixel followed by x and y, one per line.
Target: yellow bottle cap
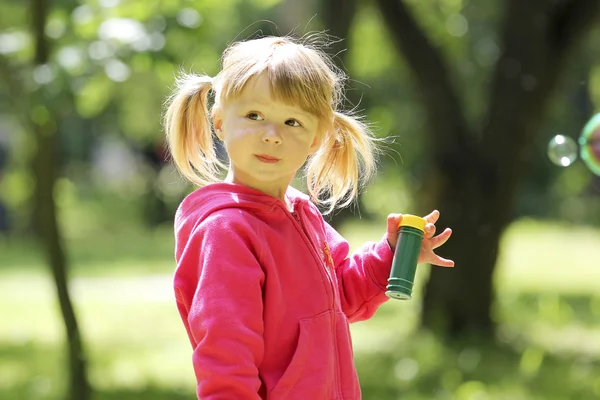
pixel 413 221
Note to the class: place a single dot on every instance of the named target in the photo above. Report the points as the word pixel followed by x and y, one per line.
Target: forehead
pixel 258 92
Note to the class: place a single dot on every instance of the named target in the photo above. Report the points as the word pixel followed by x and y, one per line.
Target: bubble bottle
pixel 404 266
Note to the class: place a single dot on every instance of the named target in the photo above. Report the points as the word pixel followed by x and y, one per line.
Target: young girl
pixel 265 287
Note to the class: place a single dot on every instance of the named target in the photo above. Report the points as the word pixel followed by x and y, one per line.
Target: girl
pixel 265 287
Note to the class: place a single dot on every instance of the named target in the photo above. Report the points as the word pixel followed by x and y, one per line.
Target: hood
pixel 204 201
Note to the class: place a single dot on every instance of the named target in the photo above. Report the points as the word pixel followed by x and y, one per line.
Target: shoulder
pixel 227 230
pixel 230 226
pixel 231 220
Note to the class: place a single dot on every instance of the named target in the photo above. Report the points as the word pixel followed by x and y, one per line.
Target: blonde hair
pixel 300 74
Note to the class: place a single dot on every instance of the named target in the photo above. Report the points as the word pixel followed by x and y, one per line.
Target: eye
pixel 254 116
pixel 293 122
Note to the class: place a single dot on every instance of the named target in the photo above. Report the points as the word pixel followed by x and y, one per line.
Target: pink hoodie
pixel 266 295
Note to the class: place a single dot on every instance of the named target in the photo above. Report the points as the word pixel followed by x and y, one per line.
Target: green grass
pixel 128 251
pixel 548 282
pixel 133 335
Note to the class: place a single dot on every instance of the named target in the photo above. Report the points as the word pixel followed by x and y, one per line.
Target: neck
pixel 275 191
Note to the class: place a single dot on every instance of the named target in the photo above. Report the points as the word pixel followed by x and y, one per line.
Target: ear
pixel 323 130
pixel 317 142
pixel 217 119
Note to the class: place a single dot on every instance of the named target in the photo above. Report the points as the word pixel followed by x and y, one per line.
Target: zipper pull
pixel 296 216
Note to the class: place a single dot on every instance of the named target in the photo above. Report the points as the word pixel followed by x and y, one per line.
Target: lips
pixel 266 158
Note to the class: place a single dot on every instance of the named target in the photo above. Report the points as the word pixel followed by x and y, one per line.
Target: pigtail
pixel 188 130
pixel 344 162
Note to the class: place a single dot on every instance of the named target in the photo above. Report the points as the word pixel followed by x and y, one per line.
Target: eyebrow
pixel 298 110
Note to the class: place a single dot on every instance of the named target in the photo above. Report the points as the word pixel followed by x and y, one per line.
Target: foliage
pixel 113 61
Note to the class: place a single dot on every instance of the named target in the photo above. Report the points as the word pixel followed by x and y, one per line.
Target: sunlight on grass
pixel 539 256
pixel 131 327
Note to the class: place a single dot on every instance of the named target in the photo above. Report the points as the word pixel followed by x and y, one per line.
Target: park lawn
pixel 548 284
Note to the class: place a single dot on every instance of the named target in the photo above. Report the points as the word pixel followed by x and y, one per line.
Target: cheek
pixel 240 133
pixel 300 145
pixel 300 138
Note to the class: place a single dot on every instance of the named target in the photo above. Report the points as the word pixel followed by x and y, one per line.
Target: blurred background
pixel 470 92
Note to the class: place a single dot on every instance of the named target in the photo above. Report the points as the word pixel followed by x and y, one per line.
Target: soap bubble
pixel 590 144
pixel 562 150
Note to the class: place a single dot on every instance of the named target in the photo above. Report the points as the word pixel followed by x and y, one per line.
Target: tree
pixel 476 169
pixel 35 109
pixel 45 171
pixel 338 17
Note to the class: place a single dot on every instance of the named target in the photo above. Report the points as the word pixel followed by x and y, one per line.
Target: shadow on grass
pixel 556 308
pixel 423 367
pixel 146 394
pixel 418 367
pixel 34 371
pixel 527 365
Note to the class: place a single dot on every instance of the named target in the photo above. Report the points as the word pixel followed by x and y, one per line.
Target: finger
pixel 393 220
pixel 442 262
pixel 441 238
pixel 429 231
pixel 433 216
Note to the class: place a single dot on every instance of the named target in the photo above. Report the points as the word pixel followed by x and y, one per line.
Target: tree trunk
pixel 47 227
pixel 338 16
pixel 475 173
pixel 45 166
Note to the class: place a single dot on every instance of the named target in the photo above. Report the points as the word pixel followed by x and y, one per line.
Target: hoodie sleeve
pixel 361 276
pixel 219 291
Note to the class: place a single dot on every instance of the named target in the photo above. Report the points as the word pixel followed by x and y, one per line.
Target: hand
pixel 430 242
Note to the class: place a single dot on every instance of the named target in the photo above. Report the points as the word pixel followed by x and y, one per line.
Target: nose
pixel 271 135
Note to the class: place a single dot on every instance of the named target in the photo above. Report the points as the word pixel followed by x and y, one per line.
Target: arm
pixel 222 308
pixel 362 276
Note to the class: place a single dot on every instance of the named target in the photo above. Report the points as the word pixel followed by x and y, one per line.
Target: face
pixel 267 141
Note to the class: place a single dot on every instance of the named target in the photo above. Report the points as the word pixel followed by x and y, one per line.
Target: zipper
pixel 315 251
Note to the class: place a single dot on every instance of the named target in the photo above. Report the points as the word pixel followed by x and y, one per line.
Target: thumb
pixel 393 220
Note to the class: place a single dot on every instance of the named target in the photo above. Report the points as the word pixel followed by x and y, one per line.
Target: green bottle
pixel 404 266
